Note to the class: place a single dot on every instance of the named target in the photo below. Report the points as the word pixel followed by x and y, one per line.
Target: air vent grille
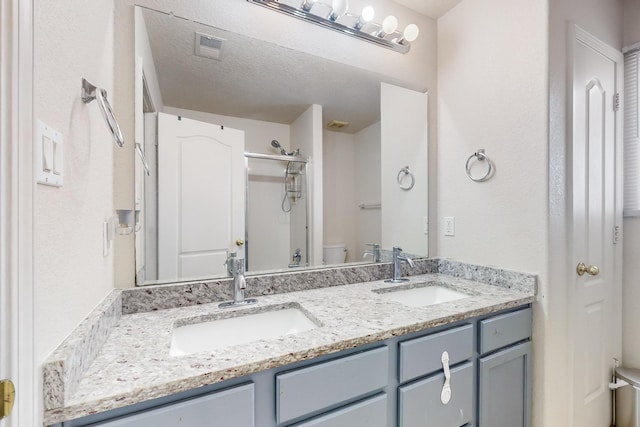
pixel 337 124
pixel 209 46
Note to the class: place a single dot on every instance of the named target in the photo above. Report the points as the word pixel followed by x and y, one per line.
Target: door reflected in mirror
pixel 268 153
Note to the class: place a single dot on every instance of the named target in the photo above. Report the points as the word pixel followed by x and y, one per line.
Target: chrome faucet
pixel 374 252
pixel 236 267
pixel 297 257
pixel 397 265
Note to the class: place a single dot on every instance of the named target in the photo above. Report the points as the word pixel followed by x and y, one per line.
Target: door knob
pixel 591 270
pixel 239 242
pixel 7 398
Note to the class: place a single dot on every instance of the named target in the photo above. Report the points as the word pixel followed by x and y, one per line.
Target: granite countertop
pixel 133 363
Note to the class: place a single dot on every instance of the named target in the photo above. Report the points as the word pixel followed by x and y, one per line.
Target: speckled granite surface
pixel 120 354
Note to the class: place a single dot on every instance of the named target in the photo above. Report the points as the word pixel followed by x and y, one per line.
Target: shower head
pixel 276 144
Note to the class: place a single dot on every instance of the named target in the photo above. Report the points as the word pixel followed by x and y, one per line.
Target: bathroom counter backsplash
pixel 119 355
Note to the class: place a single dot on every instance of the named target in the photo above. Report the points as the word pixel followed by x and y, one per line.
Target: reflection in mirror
pixel 267 154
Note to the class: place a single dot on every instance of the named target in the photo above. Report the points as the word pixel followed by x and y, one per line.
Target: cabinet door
pixel 504 388
pixel 305 392
pixel 370 413
pixel 228 408
pixel 420 404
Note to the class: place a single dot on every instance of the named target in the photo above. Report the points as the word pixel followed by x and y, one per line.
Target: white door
pixel 200 196
pixel 595 296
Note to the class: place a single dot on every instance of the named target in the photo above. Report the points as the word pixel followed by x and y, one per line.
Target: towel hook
pixel 91 92
pixel 406 171
pixel 479 155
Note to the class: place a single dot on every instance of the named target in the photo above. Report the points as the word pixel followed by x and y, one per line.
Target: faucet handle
pixel 374 251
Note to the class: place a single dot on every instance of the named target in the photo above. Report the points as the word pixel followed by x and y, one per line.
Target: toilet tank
pixel 334 254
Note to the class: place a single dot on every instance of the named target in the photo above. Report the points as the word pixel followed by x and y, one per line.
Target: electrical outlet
pixel 449 226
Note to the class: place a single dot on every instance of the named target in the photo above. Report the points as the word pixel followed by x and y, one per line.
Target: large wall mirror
pixel 287 160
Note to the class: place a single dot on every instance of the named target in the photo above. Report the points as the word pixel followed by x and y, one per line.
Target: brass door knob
pixel 7 398
pixel 591 270
pixel 239 242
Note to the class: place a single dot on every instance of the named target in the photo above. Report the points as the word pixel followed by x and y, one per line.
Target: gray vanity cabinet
pixel 304 392
pixel 419 403
pixel 394 383
pixel 421 373
pixel 232 407
pixel 504 370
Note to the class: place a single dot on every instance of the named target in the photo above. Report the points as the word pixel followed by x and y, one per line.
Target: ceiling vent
pixel 337 124
pixel 209 46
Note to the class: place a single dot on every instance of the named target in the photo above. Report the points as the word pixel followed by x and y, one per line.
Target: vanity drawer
pixel 371 413
pixel 419 403
pixel 422 356
pixel 232 407
pixel 505 329
pixel 309 390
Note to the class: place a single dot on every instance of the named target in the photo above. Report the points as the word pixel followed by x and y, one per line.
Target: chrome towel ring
pixel 91 92
pixel 400 178
pixel 480 156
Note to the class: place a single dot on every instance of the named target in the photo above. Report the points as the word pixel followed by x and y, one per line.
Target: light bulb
pixel 338 8
pixel 365 16
pixel 411 32
pixel 389 24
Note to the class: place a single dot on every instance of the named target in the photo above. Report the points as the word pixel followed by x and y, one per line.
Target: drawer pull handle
pixel 445 395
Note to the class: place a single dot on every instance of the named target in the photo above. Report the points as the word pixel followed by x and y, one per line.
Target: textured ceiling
pixel 431 8
pixel 258 80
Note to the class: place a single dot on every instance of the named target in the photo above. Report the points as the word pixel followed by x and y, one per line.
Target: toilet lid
pixel 630 375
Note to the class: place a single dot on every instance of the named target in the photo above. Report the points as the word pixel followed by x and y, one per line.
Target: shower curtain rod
pixel 296 159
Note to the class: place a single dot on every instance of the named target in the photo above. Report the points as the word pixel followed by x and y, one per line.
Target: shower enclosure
pixel 277 211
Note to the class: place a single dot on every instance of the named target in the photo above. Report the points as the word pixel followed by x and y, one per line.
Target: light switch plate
pixel 449 226
pixel 48 155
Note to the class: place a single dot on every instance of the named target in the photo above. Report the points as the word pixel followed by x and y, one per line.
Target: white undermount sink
pixel 242 329
pixel 421 295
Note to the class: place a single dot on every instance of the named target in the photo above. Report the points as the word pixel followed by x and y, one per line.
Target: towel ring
pixel 406 171
pixel 480 156
pixel 89 93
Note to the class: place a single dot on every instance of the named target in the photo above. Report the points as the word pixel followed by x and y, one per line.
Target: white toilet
pixel 334 254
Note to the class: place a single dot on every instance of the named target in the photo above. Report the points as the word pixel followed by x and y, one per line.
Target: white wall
pixel 368 180
pixel 604 20
pixel 340 193
pixel 306 135
pixel 631 23
pixel 71 275
pixel 404 143
pixel 492 94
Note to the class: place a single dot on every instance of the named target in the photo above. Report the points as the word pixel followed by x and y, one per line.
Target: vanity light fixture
pixel 338 9
pixel 389 26
pixel 365 17
pixel 410 34
pixel 307 5
pixel 336 16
